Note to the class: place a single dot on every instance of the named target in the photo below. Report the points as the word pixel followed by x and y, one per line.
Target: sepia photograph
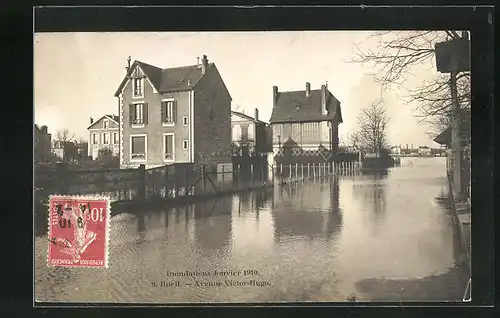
pixel 252 167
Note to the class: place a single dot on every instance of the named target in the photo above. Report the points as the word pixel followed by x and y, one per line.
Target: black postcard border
pixel 479 20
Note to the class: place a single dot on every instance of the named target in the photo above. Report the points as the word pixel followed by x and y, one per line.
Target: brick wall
pixel 212 136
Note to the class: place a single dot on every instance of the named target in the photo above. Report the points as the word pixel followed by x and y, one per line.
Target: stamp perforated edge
pixel 106 234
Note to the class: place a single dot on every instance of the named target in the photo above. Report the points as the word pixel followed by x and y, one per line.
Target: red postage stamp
pixel 78 231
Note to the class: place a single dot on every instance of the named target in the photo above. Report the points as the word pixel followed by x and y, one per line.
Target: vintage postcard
pixel 252 167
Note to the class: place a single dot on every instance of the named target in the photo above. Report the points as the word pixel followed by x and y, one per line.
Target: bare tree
pixel 371 135
pixel 63 136
pixel 396 56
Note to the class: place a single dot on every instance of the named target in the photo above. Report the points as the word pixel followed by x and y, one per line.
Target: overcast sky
pixel 77 74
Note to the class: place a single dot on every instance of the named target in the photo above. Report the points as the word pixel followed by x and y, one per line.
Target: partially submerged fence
pixel 178 181
pixel 297 172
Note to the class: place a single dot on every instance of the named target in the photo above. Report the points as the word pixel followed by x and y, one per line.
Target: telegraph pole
pixel 455 129
pixel 452 57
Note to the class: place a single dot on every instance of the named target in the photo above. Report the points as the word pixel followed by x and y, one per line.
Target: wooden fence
pixel 298 172
pixel 177 182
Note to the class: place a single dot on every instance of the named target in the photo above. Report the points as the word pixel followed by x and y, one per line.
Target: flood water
pixel 372 237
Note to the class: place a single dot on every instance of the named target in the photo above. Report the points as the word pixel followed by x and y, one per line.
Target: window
pixel 138 147
pixel 139 114
pixel 138 87
pixel 244 132
pixel 168 147
pixel 106 138
pixel 185 144
pixel 106 124
pixel 94 139
pixel 168 112
pixel 185 120
pixel 115 138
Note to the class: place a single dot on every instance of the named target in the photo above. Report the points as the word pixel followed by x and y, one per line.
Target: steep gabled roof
pixel 173 79
pixel 114 118
pixel 250 118
pixel 295 106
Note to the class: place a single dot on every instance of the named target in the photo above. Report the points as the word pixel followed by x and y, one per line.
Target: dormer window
pixel 106 124
pixel 138 87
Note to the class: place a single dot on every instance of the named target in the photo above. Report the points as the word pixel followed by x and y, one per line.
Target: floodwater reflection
pixel 320 240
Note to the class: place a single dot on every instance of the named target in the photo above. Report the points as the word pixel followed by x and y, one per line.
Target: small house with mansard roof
pixel 305 125
pixel 174 115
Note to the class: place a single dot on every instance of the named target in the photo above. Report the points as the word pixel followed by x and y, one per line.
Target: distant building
pixel 58 151
pixel 305 125
pixel 174 115
pixel 396 150
pixel 424 151
pixel 43 143
pixel 104 133
pixel 66 151
pixel 249 134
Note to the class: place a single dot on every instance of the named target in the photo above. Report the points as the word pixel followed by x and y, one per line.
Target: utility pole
pixel 455 129
pixel 452 57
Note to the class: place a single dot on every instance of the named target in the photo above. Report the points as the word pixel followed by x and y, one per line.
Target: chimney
pixel 323 100
pixel 44 129
pixel 308 89
pixel 256 114
pixel 91 120
pixel 204 64
pixel 128 64
pixel 198 61
pixel 275 96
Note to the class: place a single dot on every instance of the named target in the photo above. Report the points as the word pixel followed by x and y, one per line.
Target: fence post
pixel 272 172
pixel 166 182
pixel 281 172
pixel 141 191
pixel 222 184
pixel 186 184
pixel 203 183
pixel 262 173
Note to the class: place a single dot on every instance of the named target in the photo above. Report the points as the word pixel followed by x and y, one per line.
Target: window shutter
pixel 131 114
pixel 163 111
pixel 174 111
pixel 145 112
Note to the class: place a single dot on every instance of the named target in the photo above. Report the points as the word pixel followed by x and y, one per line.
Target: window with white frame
pixel 138 86
pixel 115 138
pixel 168 111
pixel 106 124
pixel 138 150
pixel 185 120
pixel 106 138
pixel 168 147
pixel 185 144
pixel 95 140
pixel 138 114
